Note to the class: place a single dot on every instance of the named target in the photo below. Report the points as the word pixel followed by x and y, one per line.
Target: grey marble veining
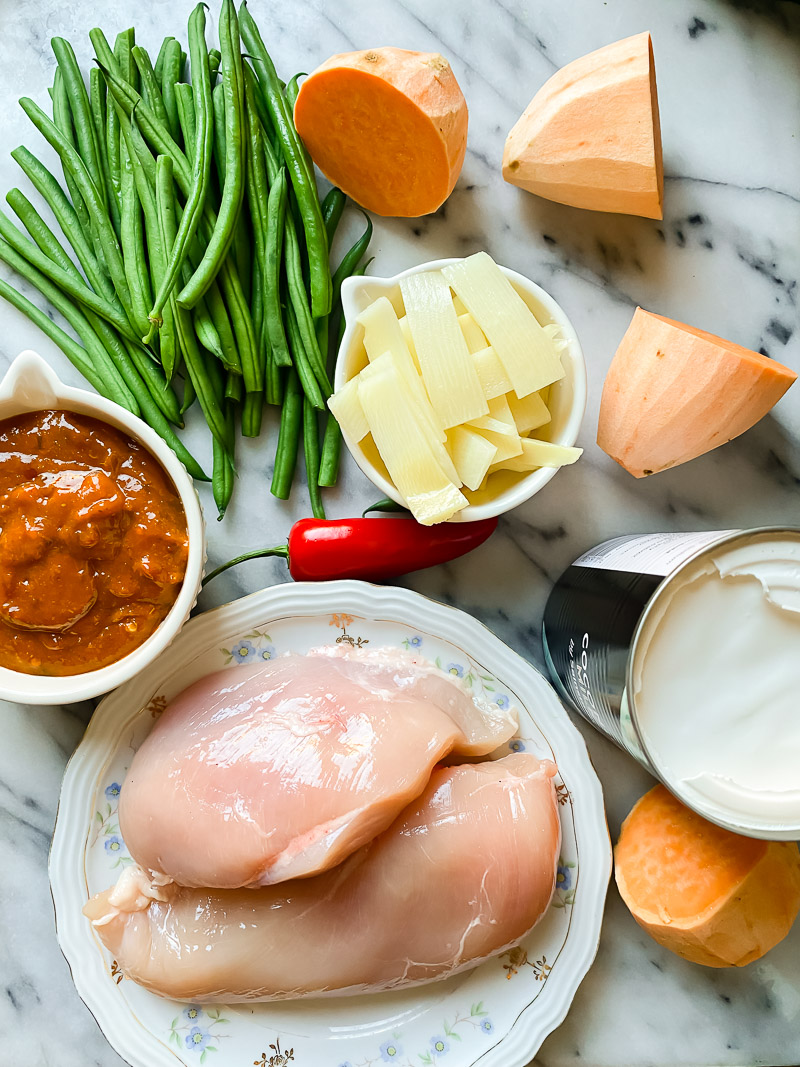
pixel 725 258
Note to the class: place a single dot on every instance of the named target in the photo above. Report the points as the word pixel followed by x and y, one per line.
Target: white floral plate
pixel 497 1014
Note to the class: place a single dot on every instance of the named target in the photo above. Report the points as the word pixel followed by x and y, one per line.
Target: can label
pixel 658 553
pixel 591 617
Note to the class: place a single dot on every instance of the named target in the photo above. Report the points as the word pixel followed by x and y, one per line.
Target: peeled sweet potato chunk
pixel 591 136
pixel 706 894
pixel 388 126
pixel 673 392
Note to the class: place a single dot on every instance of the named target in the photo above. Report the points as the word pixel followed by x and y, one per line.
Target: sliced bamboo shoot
pixel 500 434
pixel 404 326
pixel 529 413
pixel 525 349
pixel 407 453
pixel 473 334
pixel 472 454
pixel 447 368
pixel 539 454
pixel 382 333
pixel 491 373
pixel 347 411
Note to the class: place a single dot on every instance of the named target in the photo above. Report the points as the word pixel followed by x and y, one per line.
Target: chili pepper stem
pixel 259 553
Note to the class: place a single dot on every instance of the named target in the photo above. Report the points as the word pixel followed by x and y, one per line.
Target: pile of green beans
pixel 195 266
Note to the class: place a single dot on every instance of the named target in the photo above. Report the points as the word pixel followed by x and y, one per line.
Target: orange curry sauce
pixel 93 543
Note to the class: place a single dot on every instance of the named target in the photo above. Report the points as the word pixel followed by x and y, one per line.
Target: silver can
pixel 594 619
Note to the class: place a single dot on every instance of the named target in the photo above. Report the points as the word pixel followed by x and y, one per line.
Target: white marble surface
pixel 725 258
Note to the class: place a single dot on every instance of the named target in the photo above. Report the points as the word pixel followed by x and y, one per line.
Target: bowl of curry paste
pixel 102 542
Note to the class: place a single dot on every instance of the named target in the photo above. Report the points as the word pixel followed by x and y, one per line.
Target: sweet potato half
pixel 591 136
pixel 388 126
pixel 673 392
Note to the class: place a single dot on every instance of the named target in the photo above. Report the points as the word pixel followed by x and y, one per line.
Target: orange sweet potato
pixel 709 895
pixel 591 135
pixel 673 392
pixel 388 126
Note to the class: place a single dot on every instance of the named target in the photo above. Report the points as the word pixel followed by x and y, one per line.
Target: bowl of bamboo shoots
pixel 460 387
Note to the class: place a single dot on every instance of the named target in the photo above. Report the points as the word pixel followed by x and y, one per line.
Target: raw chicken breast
pixel 463 874
pixel 255 775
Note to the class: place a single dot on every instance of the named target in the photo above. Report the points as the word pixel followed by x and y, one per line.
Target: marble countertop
pixel 725 258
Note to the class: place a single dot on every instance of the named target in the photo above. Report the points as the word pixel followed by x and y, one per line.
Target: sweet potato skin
pixel 743 923
pixel 591 136
pixel 674 392
pixel 417 86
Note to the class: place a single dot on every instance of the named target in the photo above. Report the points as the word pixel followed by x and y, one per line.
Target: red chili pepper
pixel 371 549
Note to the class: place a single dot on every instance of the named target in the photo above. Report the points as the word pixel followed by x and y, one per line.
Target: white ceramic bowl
pixel 567 402
pixel 496 1015
pixel 31 385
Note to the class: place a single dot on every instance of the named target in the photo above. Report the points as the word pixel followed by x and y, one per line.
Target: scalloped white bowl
pixel 500 1012
pixel 30 384
pixel 567 397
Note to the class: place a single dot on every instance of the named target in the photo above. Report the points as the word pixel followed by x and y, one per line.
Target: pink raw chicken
pixel 464 873
pixel 256 775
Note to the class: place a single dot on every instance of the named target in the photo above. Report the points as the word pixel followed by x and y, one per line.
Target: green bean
pixel 85 131
pixel 218 103
pixel 300 360
pixel 252 409
pixel 62 117
pixel 273 315
pixel 47 186
pixel 332 208
pixel 77 355
pixel 222 324
pixel 351 259
pixel 97 97
pixel 155 381
pixel 151 89
pixel 161 58
pixel 288 438
pixel 105 231
pixel 112 135
pixel 206 331
pixel 200 172
pixel 192 355
pixel 311 449
pixel 223 471
pixel 214 61
pixel 189 397
pixel 274 386
pixel 123 49
pixel 302 177
pixel 331 453
pixel 233 190
pixel 233 387
pixel 299 300
pixel 169 78
pixel 132 241
pixel 292 89
pixel 184 98
pixel 78 290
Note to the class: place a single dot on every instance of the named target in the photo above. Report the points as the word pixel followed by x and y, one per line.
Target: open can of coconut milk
pixel 684 649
